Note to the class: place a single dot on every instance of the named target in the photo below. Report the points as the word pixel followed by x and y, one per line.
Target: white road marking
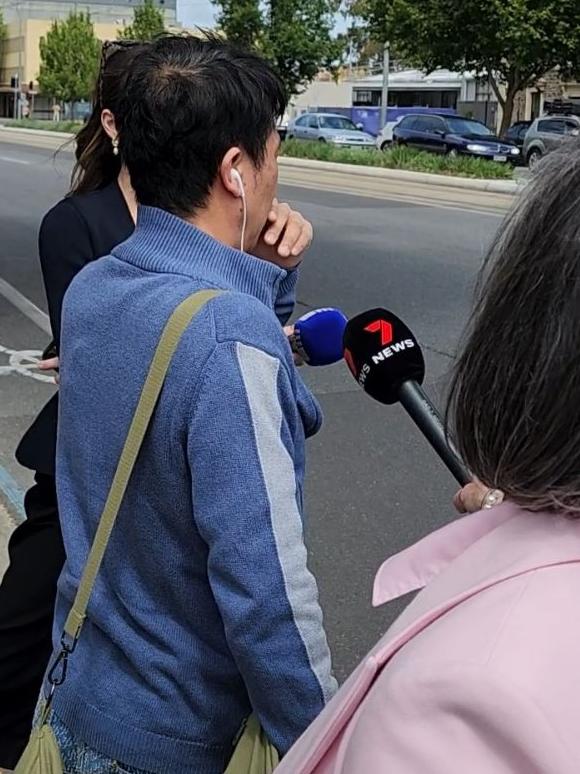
pixel 25 305
pixel 24 362
pixel 15 161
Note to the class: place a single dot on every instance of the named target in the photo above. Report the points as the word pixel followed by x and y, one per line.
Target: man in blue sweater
pixel 204 609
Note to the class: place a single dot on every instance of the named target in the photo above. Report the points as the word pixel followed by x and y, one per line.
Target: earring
pixel 115 143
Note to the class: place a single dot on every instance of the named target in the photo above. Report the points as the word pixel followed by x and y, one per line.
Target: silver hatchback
pixel 548 133
pixel 328 127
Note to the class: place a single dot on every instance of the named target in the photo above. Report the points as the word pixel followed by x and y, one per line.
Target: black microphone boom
pixel 386 360
pixel 426 417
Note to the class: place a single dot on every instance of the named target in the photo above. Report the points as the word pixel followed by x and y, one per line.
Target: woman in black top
pixel 94 218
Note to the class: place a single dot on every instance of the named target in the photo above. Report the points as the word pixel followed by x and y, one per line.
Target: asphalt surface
pixel 374 486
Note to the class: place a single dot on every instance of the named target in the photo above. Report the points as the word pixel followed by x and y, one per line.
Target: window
pixel 367 98
pixel 522 130
pixel 337 122
pixel 302 121
pixel 429 124
pixel 552 126
pixel 363 97
pixel 465 126
pixel 572 127
pixel 422 99
pixel 312 122
pixel 13 46
pixel 408 123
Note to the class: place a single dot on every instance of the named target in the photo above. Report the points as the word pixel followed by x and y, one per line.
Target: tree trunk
pixel 508 108
pixel 506 103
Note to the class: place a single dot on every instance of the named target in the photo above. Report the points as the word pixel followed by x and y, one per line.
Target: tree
pixel 513 42
pixel 360 48
pixel 294 35
pixel 148 23
pixel 69 59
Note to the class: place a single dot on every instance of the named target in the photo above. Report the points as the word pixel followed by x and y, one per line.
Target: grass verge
pixel 47 126
pixel 400 158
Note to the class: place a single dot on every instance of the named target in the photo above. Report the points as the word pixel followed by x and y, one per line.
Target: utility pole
pixel 15 83
pixel 385 94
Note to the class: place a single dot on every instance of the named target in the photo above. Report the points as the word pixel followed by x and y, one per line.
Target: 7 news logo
pixel 385 331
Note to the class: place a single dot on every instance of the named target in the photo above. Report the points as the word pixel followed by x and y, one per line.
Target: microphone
pixel 317 336
pixel 386 360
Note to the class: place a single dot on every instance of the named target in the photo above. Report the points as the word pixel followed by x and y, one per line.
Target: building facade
pixel 442 89
pixel 29 20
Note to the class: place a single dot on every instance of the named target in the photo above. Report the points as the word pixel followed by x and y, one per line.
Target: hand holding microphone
pixel 386 360
pixel 316 338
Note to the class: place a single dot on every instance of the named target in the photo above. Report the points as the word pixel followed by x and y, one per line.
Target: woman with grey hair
pixel 480 673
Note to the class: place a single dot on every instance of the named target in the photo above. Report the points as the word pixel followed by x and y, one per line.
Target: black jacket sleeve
pixel 65 247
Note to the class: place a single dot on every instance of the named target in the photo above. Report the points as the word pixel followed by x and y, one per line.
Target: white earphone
pixel 235 175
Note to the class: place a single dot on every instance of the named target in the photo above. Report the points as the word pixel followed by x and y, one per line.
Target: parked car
pixel 282 128
pixel 548 133
pixel 517 133
pixel 385 138
pixel 327 127
pixel 453 135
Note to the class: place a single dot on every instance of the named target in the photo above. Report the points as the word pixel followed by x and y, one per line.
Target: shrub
pixel 71 127
pixel 399 158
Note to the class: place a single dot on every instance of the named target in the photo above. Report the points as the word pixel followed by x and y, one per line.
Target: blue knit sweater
pixel 204 607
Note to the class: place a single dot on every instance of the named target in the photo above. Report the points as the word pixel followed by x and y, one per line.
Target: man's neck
pixel 124 183
pixel 222 226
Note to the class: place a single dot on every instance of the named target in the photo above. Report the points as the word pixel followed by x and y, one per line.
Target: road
pixel 374 486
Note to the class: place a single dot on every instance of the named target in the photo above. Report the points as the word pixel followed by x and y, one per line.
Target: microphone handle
pixel 424 414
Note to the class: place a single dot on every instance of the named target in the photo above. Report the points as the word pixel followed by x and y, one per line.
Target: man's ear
pixel 230 175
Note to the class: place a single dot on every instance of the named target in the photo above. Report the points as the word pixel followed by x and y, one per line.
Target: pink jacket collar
pixel 418 565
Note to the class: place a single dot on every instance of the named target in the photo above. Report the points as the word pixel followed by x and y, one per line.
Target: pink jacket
pixel 481 673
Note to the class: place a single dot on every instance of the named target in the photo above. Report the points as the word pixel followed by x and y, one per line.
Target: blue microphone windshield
pixel 318 336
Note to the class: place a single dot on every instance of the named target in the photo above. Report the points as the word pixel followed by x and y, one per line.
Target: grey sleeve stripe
pixel 260 375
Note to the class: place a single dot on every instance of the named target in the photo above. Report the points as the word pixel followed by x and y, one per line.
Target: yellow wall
pixel 22 49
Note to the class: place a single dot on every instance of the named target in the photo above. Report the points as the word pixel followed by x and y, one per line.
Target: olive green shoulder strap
pixel 172 333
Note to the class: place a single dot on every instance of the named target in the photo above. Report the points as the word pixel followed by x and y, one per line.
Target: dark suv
pixel 517 133
pixel 548 133
pixel 453 135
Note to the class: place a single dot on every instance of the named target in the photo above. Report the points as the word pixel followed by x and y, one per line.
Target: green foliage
pixel 295 35
pixel 360 48
pixel 69 127
pixel 399 158
pixel 148 23
pixel 515 42
pixel 242 21
pixel 69 59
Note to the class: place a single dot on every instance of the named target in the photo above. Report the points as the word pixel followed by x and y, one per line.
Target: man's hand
pixel 289 331
pixel 285 238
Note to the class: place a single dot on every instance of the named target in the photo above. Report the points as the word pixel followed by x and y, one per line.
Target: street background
pixel 374 486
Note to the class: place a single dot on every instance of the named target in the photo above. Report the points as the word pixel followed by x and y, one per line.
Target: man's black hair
pixel 188 101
